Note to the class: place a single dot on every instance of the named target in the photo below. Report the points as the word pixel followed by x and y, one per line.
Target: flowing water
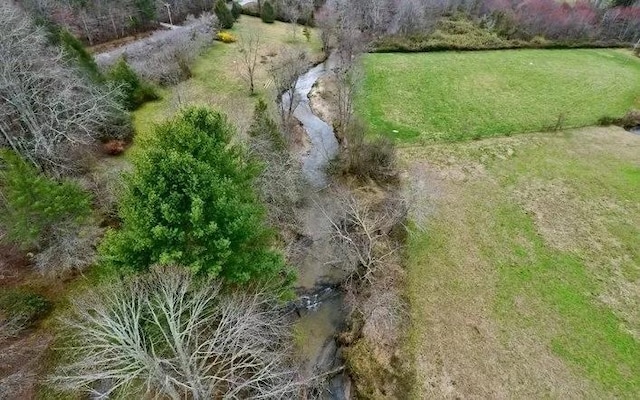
pixel 321 303
pixel 324 145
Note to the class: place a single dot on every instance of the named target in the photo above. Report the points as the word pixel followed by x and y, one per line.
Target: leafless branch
pixel 48 109
pixel 362 231
pixel 249 47
pixel 166 335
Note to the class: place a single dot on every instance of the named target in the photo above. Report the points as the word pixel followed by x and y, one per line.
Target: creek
pixel 320 302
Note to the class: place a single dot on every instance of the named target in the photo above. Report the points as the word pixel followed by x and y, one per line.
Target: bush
pixel 19 310
pixel 225 37
pixel 135 91
pixel 630 120
pixel 114 147
pixel 190 201
pixel 225 18
pixel 366 159
pixel 462 34
pixel 267 13
pixel 236 10
pixel 166 57
pixel 32 204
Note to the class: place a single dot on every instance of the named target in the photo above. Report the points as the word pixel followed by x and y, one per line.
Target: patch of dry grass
pixel 524 280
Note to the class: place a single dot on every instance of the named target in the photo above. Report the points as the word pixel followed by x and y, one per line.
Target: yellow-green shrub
pixel 225 37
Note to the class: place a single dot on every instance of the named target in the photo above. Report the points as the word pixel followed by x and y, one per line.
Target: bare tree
pixel 166 57
pixel 295 11
pixel 249 47
pixel 280 184
pixel 68 247
pixel 285 74
pixel 167 335
pixel 362 230
pixel 49 111
pixel 348 78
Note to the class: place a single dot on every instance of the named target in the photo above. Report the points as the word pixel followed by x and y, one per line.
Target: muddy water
pixel 324 145
pixel 321 303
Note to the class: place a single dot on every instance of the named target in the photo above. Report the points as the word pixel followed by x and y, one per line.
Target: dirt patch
pixel 14 264
pixel 322 98
pixel 567 221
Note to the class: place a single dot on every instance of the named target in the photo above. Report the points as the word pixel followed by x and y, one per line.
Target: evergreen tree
pixel 75 50
pixel 236 10
pixel 31 203
pixel 225 18
pixel 191 202
pixel 146 11
pixel 268 14
pixel 135 91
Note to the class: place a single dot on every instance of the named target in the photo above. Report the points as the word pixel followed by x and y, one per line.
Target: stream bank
pixel 358 329
pixel 320 304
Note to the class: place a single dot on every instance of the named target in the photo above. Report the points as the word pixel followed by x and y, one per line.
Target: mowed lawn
pixel 524 265
pixel 459 95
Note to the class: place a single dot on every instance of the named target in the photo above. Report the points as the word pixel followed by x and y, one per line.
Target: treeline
pixel 417 25
pixel 99 21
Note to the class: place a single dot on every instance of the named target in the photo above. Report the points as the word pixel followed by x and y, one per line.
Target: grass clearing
pixel 525 281
pixel 453 96
pixel 217 77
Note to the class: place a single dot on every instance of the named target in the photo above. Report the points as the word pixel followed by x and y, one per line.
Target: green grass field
pixel 460 95
pixel 525 279
pixel 217 76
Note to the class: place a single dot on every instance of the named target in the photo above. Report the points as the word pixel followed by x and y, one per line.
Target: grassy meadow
pixel 452 96
pixel 524 266
pixel 217 76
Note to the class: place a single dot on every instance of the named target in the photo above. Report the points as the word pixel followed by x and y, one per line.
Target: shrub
pixel 539 41
pixel 366 159
pixel 225 37
pixel 114 147
pixel 190 201
pixel 166 59
pixel 135 91
pixel 225 18
pixel 32 204
pixel 236 10
pixel 630 120
pixel 19 310
pixel 267 13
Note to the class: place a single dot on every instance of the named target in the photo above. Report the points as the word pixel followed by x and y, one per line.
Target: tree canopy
pixel 190 202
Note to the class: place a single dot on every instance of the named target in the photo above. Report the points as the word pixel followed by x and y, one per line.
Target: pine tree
pixel 191 202
pixel 135 91
pixel 268 14
pixel 236 10
pixel 225 18
pixel 31 203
